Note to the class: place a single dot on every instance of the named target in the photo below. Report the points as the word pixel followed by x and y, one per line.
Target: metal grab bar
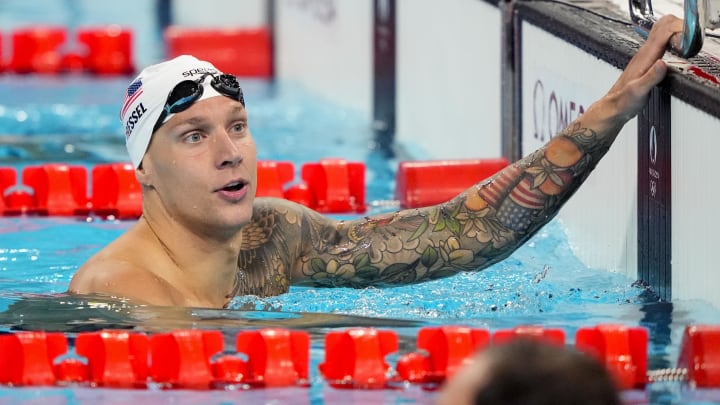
pixel 699 15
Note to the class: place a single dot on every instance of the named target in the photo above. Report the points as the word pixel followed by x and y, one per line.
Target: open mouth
pixel 234 186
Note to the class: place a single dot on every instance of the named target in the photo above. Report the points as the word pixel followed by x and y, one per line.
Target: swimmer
pixel 203 238
pixel 530 372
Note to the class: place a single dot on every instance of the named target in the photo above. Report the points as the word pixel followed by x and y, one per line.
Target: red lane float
pixel 2 61
pixel 37 49
pixel 272 176
pixel 355 358
pixel 27 357
pixel 60 189
pixel 700 355
pixel 442 351
pixel 116 359
pixel 107 50
pixel 276 357
pixel 328 186
pixel 8 178
pixel 185 358
pixel 548 335
pixel 19 201
pixel 241 51
pixel 194 359
pixel 115 191
pixel 622 349
pixel 424 183
pixel 336 185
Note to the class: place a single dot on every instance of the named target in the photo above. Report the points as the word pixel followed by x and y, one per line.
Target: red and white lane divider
pixel 328 186
pixel 354 358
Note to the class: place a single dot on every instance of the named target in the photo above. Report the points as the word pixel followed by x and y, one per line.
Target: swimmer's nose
pixel 229 153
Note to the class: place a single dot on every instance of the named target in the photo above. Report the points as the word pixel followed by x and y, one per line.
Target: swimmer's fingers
pixel 651 78
pixel 634 94
pixel 651 51
pixel 645 70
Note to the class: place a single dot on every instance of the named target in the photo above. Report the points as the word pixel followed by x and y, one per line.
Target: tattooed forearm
pixel 529 193
pixel 480 227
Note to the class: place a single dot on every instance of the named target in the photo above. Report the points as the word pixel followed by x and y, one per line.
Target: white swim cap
pixel 146 96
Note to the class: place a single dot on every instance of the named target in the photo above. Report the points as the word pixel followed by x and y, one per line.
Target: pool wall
pixel 653 192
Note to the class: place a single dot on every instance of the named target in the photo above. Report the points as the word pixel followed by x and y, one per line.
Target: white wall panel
pixel 327 47
pixel 695 195
pixel 448 88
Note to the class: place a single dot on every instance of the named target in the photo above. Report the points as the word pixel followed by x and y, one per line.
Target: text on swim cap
pixel 134 118
pixel 198 71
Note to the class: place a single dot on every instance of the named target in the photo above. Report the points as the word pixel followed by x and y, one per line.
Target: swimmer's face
pixel 201 165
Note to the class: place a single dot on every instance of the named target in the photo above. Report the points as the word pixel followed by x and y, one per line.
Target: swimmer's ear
pixel 142 175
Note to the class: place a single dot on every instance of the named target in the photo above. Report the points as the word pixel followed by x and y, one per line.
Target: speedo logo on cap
pixel 198 71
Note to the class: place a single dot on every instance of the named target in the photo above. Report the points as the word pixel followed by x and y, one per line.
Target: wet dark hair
pixel 531 372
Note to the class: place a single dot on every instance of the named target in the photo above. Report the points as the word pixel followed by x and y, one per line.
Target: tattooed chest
pixel 261 282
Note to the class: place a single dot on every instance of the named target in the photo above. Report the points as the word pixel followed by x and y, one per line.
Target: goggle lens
pixel 182 96
pixel 185 93
pixel 228 85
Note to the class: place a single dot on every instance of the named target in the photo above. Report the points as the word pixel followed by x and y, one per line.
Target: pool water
pixel 74 119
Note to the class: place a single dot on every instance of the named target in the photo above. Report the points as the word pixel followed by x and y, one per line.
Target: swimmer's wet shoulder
pixel 132 267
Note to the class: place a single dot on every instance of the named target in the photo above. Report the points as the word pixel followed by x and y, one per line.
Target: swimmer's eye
pixel 239 127
pixel 194 137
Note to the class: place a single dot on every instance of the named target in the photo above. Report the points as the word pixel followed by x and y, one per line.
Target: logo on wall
pixel 653 145
pixel 652 171
pixel 552 114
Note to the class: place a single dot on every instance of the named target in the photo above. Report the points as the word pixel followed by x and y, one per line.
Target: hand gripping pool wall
pixel 631 228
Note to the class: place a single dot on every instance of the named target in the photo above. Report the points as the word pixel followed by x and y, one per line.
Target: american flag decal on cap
pixel 133 92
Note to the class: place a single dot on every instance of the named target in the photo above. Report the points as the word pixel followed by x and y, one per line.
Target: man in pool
pixel 203 238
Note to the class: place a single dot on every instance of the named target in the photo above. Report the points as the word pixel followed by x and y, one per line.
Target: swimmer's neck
pixel 202 264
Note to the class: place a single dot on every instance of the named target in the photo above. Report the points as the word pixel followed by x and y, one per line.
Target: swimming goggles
pixel 185 93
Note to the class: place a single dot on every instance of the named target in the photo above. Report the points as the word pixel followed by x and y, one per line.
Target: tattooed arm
pixel 487 222
pixel 480 227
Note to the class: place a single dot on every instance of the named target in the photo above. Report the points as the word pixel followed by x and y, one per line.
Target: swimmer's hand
pixel 646 69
